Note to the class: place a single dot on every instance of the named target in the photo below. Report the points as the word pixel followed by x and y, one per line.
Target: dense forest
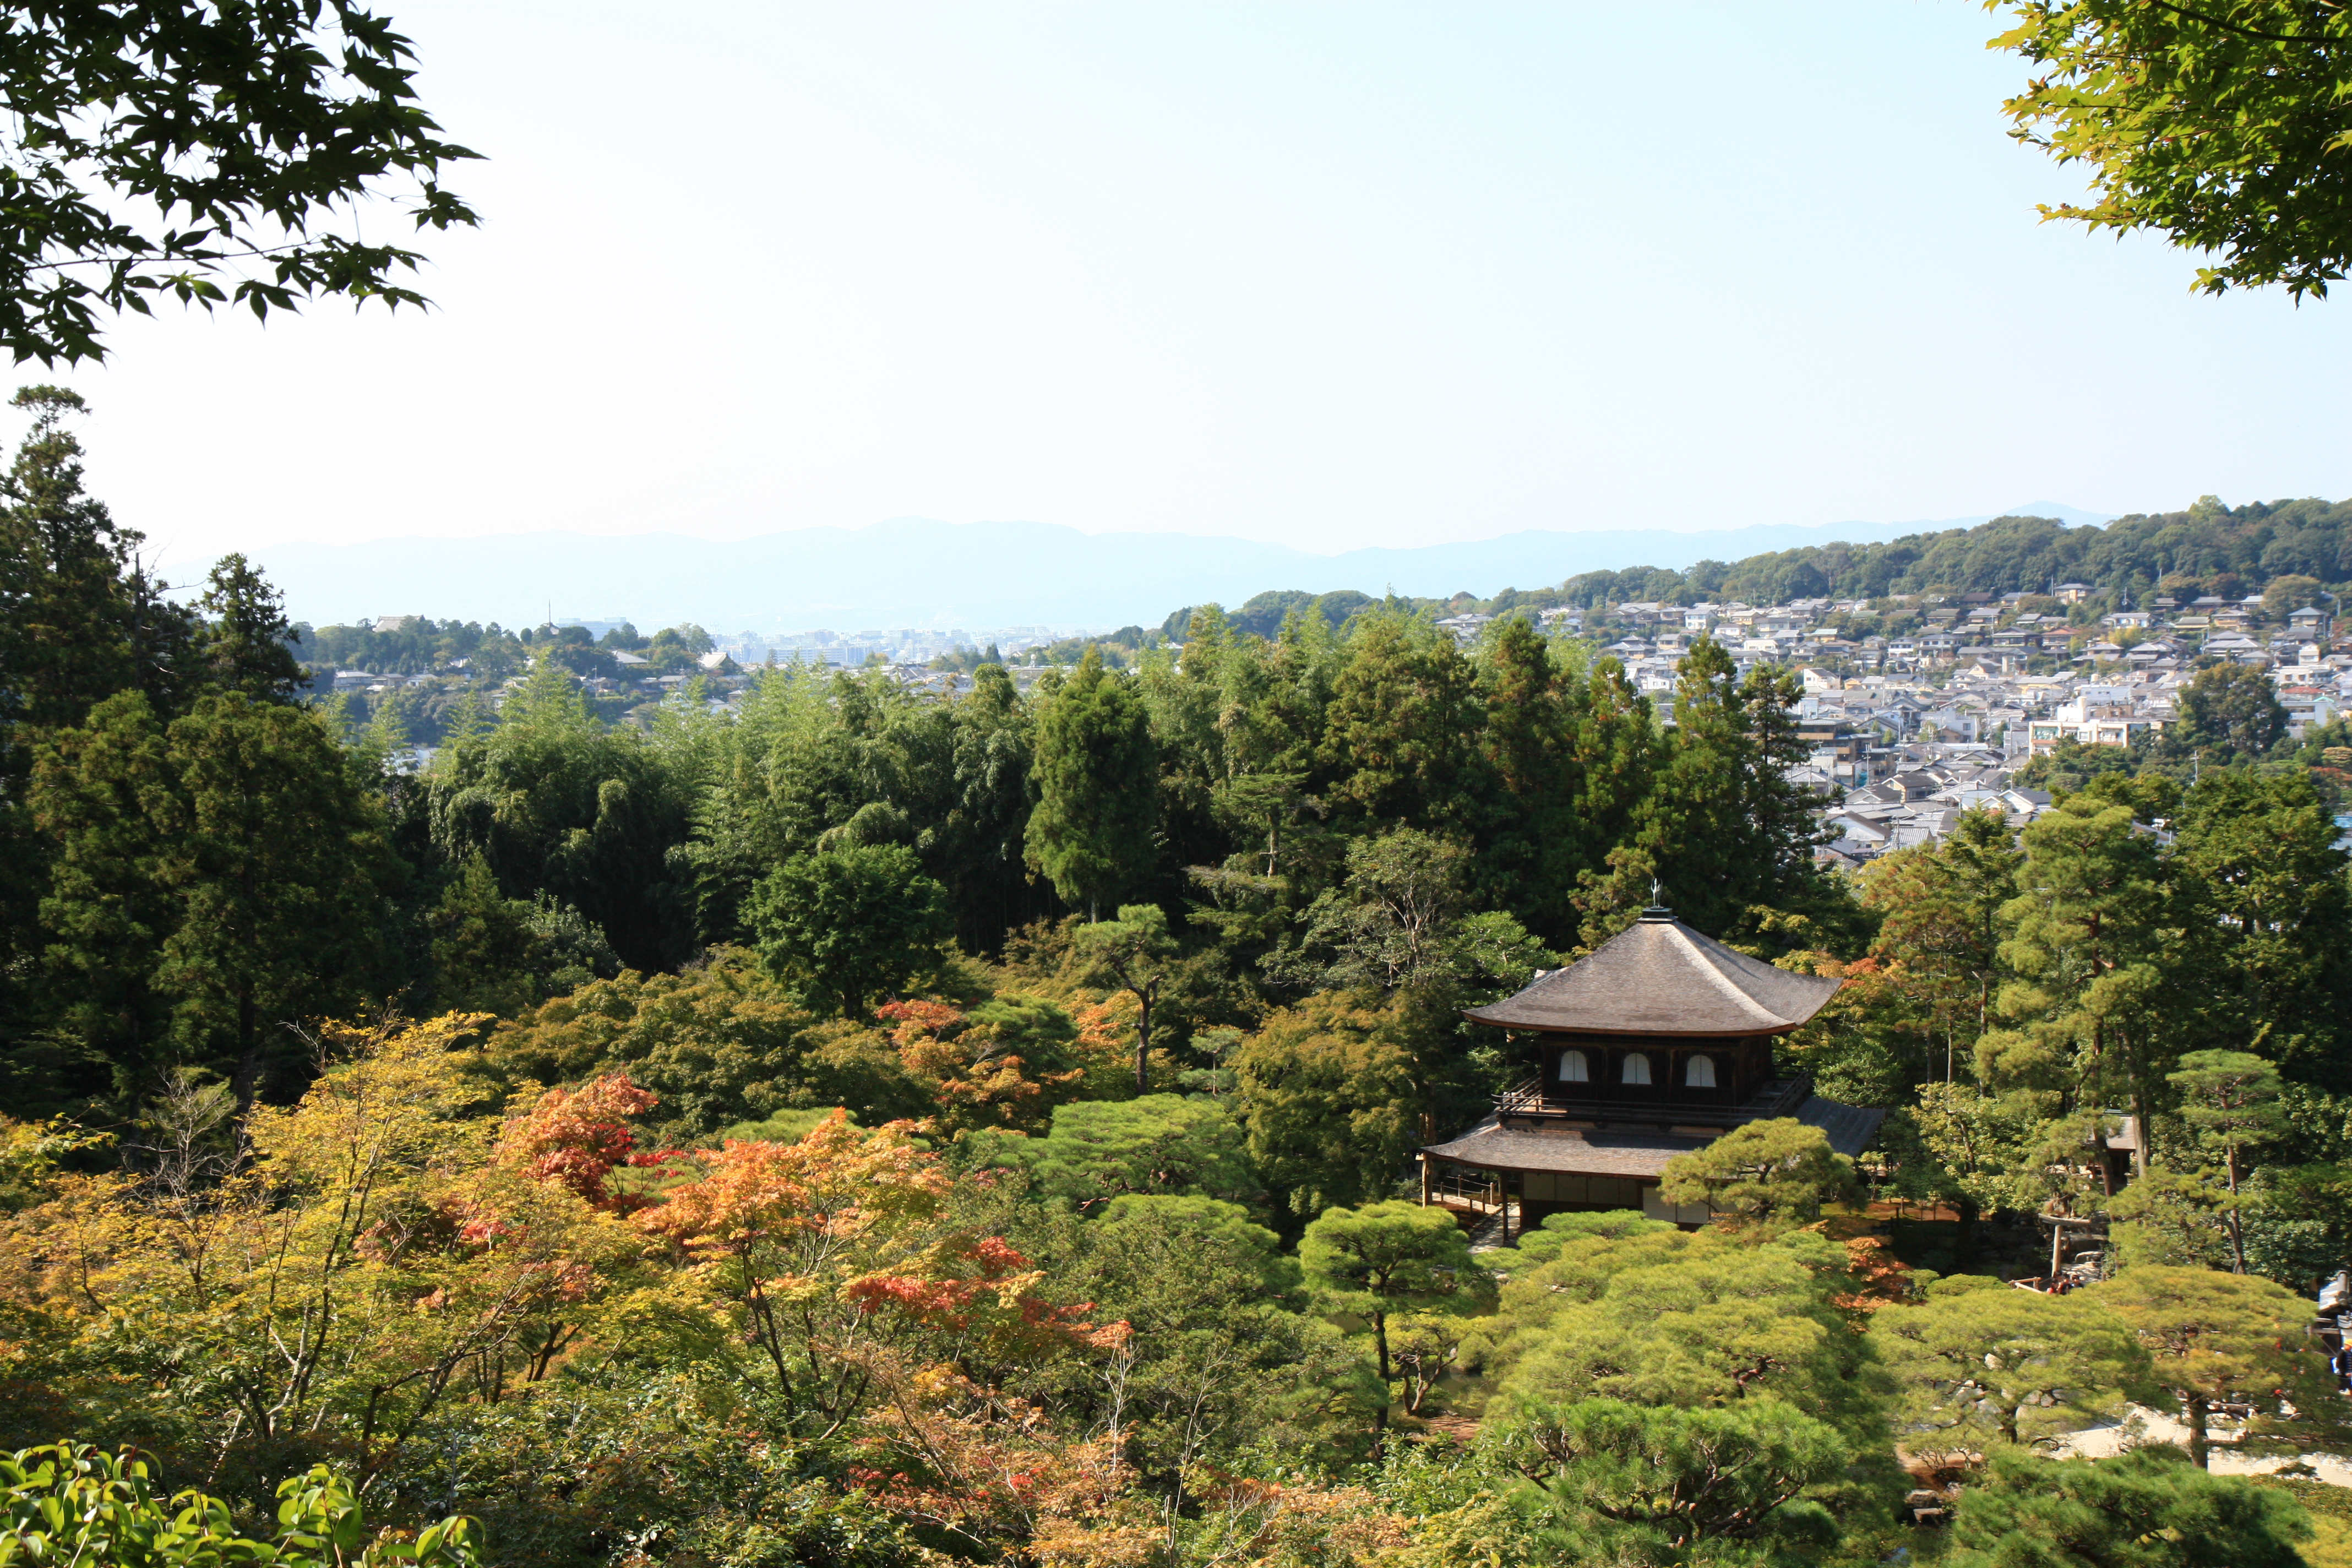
pixel 864 1126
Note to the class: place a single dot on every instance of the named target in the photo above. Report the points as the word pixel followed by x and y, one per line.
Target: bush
pixel 70 1503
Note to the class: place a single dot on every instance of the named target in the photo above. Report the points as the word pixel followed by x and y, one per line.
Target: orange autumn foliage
pixel 974 1066
pixel 841 1270
pixel 576 1137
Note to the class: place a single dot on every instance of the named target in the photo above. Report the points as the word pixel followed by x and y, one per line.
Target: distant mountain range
pixel 912 572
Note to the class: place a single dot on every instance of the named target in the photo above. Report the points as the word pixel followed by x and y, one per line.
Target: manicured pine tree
pixel 2219 1339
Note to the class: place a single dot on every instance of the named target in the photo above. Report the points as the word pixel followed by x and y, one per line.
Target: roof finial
pixel 1657 913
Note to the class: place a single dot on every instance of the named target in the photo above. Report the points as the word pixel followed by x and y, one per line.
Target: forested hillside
pixel 2208 549
pixel 2128 560
pixel 869 1126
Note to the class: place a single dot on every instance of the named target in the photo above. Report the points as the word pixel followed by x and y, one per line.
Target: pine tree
pixel 246 643
pixel 1940 921
pixel 2258 876
pixel 2086 1014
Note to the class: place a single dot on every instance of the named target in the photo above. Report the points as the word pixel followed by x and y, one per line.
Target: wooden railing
pixel 1781 1097
pixel 1454 1186
pixel 1526 1100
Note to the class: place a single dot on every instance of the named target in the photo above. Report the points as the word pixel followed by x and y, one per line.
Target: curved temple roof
pixel 1660 977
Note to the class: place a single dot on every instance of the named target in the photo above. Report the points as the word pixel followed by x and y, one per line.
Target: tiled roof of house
pixel 1594 1152
pixel 1634 1151
pixel 1660 977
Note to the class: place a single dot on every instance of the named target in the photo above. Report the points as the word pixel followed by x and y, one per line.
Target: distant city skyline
pixel 1323 278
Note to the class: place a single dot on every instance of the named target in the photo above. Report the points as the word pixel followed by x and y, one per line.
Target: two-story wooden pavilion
pixel 1658 1042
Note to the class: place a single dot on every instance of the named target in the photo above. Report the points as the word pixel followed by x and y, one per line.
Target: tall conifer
pixel 1097 780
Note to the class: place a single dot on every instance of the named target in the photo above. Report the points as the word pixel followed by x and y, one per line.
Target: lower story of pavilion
pixel 1524 1175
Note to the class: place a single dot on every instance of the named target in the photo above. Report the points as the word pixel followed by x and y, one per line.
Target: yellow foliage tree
pixel 360 1255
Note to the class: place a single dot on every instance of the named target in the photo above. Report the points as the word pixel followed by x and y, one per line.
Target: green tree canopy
pixel 1768 1173
pixel 1100 1151
pixel 852 924
pixel 245 640
pixel 1634 1482
pixel 2228 712
pixel 1390 1257
pixel 558 804
pixel 1650 1314
pixel 2220 126
pixel 2258 876
pixel 1984 1365
pixel 1330 1100
pixel 2225 1338
pixel 1390 924
pixel 720 1044
pixel 1224 1362
pixel 2086 944
pixel 227 867
pixel 1939 907
pixel 1722 827
pixel 71 1503
pixel 2147 1508
pixel 165 144
pixel 1397 742
pixel 1097 778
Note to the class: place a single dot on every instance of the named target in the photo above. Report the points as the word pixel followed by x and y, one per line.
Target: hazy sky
pixel 1328 274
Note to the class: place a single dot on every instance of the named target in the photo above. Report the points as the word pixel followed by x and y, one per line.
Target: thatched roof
pixel 1660 977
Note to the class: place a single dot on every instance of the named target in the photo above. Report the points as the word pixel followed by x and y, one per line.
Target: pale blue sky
pixel 1330 275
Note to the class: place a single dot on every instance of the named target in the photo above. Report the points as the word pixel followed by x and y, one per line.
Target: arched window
pixel 1637 1068
pixel 1700 1072
pixel 1574 1068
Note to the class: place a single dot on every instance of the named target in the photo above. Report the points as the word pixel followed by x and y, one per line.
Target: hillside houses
pixel 1915 711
